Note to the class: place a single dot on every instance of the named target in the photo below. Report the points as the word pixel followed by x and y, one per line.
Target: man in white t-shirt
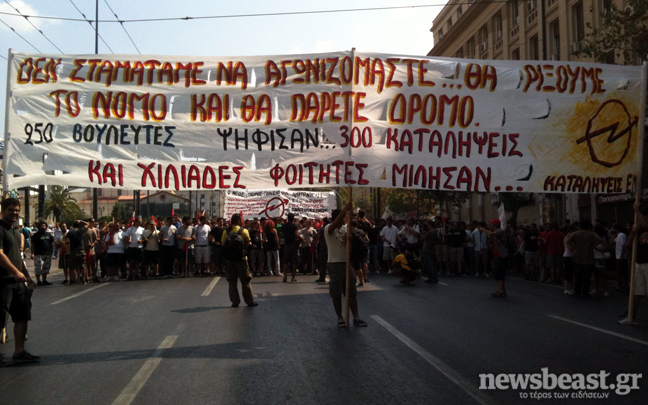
pixel 133 239
pixel 411 233
pixel 388 235
pixel 168 249
pixel 202 250
pixel 335 236
pixel 621 254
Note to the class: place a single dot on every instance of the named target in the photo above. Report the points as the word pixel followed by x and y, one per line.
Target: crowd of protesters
pixel 578 255
pixel 283 247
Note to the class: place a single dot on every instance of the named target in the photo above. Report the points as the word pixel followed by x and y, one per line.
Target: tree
pixel 120 211
pixel 60 204
pixel 512 203
pixel 622 31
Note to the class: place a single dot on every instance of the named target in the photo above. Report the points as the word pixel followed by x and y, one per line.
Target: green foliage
pixel 120 211
pixel 622 31
pixel 60 204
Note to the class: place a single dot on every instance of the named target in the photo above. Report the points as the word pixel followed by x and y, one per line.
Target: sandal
pixel 341 323
pixel 499 294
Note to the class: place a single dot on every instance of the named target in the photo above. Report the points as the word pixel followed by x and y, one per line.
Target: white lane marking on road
pixel 133 388
pixel 446 284
pixel 210 287
pixel 455 377
pixel 78 294
pixel 609 332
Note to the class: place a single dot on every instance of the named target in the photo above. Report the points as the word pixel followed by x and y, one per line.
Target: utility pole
pixel 95 192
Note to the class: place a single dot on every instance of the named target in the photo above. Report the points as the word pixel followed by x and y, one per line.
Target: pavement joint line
pixel 446 370
pixel 78 294
pixel 133 388
pixel 536 282
pixel 609 332
pixel 210 287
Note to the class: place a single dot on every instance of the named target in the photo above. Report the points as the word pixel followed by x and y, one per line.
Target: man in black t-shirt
pixel 42 246
pixel 215 237
pixel 15 283
pixel 77 252
pixel 531 252
pixel 291 247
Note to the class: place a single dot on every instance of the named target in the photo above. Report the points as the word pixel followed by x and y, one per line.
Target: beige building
pixel 527 30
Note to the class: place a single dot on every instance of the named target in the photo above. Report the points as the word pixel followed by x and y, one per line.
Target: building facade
pixel 531 30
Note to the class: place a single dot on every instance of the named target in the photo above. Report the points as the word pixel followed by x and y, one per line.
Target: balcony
pixel 532 16
pixel 499 44
pixel 515 31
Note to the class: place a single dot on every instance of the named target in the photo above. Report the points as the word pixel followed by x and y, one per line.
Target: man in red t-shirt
pixel 554 248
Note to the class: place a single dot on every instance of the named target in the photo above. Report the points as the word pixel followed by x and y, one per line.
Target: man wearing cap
pixel 500 254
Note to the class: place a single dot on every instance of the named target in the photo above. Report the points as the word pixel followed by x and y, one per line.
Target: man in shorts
pixel 90 240
pixel 202 251
pixel 15 283
pixel 42 246
pixel 77 253
pixel 335 235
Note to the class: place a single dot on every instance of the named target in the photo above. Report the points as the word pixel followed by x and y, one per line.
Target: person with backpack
pixel 235 241
pixel 359 252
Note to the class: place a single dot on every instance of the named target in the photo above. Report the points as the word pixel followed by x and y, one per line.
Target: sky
pixel 403 31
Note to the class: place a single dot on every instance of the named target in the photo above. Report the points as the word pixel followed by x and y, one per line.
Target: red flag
pixel 154 220
pixel 172 212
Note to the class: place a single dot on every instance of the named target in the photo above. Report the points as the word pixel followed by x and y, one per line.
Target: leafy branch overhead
pixel 623 32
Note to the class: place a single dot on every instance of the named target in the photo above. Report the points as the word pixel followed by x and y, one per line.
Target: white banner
pixel 322 120
pixel 278 203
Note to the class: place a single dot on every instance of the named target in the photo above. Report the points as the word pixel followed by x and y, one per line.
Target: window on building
pixel 554 40
pixel 483 36
pixel 470 48
pixel 609 58
pixel 534 53
pixel 459 11
pixel 578 22
pixel 515 55
pixel 100 192
pixel 119 192
pixel 449 23
pixel 440 34
pixel 606 6
pixel 497 26
pixel 515 13
pixel 532 5
pixel 460 53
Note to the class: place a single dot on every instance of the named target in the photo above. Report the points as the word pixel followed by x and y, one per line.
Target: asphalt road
pixel 179 341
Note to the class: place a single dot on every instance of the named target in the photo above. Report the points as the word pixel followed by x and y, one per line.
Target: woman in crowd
pixel 256 248
pixel 271 240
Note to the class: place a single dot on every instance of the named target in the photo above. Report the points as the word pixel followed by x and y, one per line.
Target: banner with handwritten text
pixel 278 203
pixel 322 120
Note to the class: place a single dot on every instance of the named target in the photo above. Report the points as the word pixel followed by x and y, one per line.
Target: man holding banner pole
pixel 335 235
pixel 639 268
